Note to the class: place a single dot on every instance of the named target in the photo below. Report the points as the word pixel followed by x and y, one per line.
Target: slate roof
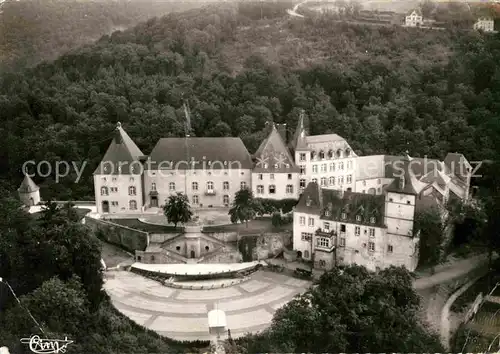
pixel 121 150
pixel 209 153
pixel 27 185
pixel 330 204
pixel 417 11
pixel 458 165
pixel 299 138
pixel 309 201
pixel 273 156
pixel 352 204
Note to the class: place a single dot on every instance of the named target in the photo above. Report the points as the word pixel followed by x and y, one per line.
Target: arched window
pixel 339 153
pixel 104 190
pixel 347 152
pixel 272 189
pixel 131 190
pixel 132 205
pixel 313 154
pixel 330 154
pixel 321 154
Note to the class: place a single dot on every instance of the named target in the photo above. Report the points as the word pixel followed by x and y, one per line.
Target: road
pixel 293 12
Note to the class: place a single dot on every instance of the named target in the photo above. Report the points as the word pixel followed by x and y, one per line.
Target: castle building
pixel 29 192
pixel 351 209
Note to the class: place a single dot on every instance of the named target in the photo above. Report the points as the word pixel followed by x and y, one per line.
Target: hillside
pixel 385 89
pixel 36 30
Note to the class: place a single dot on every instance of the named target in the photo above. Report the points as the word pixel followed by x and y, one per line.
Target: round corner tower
pixel 29 192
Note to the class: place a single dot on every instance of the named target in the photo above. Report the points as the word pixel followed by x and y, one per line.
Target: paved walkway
pixel 182 314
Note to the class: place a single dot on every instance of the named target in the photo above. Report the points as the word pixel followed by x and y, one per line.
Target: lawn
pixel 258 225
pixel 139 225
pixel 113 255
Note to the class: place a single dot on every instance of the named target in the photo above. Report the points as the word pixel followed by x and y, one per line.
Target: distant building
pixel 486 24
pixel 29 192
pixel 414 19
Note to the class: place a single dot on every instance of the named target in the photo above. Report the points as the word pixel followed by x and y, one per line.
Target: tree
pixel 244 207
pixel 430 225
pixel 177 209
pixel 350 310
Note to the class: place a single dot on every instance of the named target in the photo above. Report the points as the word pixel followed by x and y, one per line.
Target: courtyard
pixel 181 314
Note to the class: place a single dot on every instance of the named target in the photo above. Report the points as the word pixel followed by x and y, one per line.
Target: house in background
pixel 414 19
pixel 486 24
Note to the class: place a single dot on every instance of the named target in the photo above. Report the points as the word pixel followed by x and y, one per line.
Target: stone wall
pixel 224 256
pixel 130 239
pixel 160 238
pixel 157 257
pixel 263 246
pixel 222 236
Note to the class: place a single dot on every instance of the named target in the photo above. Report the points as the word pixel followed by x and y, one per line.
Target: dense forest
pixel 385 89
pixel 36 30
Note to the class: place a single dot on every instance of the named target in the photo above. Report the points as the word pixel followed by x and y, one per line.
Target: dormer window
pixel 339 153
pixel 372 220
pixel 358 217
pixel 275 165
pixel 313 154
pixel 308 201
pixel 330 154
pixel 344 215
pixel 327 213
pixel 321 154
pixel 287 165
pixel 347 152
pixel 266 165
pixel 209 163
pixel 225 163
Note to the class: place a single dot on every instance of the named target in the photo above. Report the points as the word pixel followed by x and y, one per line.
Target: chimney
pixel 118 135
pixel 282 130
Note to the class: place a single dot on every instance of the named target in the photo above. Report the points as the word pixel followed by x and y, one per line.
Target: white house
pixel 485 24
pixel 414 19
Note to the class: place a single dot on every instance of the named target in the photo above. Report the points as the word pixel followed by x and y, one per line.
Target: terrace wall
pixel 130 239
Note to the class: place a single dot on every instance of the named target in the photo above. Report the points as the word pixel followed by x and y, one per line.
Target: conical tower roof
pixel 122 152
pixel 27 185
pixel 299 139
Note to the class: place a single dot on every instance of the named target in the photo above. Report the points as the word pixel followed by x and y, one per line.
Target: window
pixel 225 200
pixel 326 226
pixel 342 227
pixel 349 178
pixel 302 183
pixel 323 167
pixel 266 165
pixel 302 170
pixel 289 189
pixel 349 165
pixel 132 205
pixel 358 217
pixel 243 185
pixel 153 186
pixel 302 157
pixel 114 203
pixel 225 185
pixel 322 263
pixel 104 190
pixel 371 246
pixel 330 154
pixel 302 220
pixel 306 254
pixel 315 168
pixel 311 222
pixel 357 230
pixel 210 185
pixel 306 236
pixel 314 180
pixel 113 179
pixel 323 242
pixel 372 220
pixel 289 176
pixel 287 165
pixel 114 189
pixel 196 200
pixel 272 189
pixel 372 232
pixel 344 215
pixel 260 189
pixel 332 181
pixel 390 248
pixel 332 167
pixel 104 179
pixel 322 154
pixel 271 176
pixel 276 165
pixel 131 190
pixel 171 186
pixel 327 212
pixel 390 199
pixel 341 166
pixel 408 202
pixel 260 176
pixel 364 183
pixel 131 179
pixel 323 181
pixel 378 181
pixel 194 186
pixel 313 154
pixel 342 242
pixel 341 180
